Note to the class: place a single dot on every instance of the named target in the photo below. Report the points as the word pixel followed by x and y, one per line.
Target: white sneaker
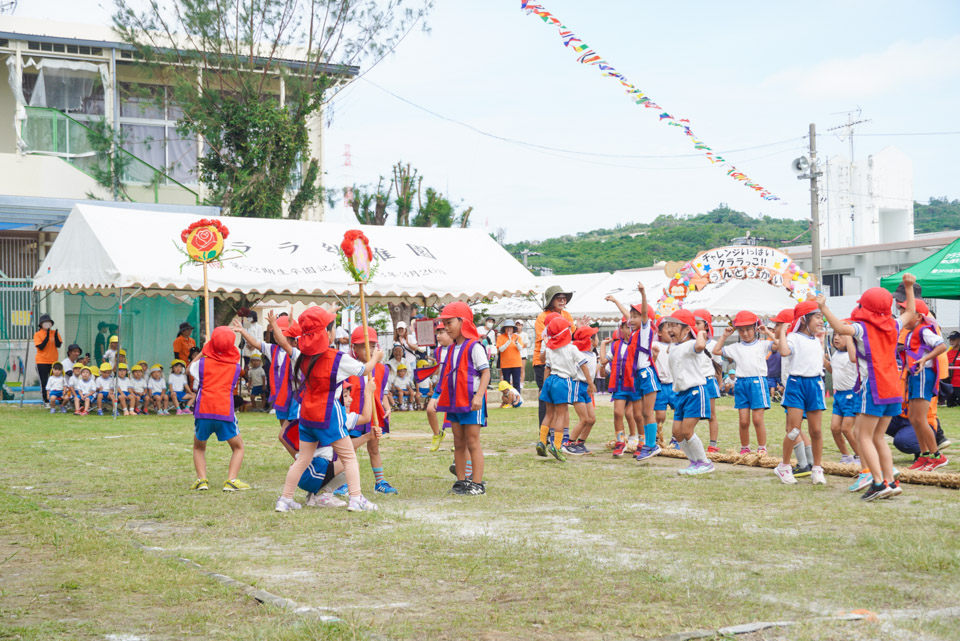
pixel 785 474
pixel 285 505
pixel 361 504
pixel 817 476
pixel 327 499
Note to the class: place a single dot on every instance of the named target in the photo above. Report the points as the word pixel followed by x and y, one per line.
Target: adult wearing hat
pixel 554 302
pixel 953 362
pixel 183 343
pixel 47 341
pixel 508 346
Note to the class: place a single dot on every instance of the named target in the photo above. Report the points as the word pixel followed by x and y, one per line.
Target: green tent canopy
pixel 939 274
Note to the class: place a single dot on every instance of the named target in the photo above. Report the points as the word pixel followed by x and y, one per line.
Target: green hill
pixel 940 214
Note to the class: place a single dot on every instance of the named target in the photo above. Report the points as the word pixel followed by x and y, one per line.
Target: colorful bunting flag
pixel 588 56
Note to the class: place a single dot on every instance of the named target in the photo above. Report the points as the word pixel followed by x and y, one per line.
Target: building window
pixel 148 121
pixel 835 284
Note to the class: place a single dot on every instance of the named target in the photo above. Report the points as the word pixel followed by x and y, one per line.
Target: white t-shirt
pixel 591 359
pixel 403 382
pixel 67 371
pixel 178 382
pixel 156 386
pixel 256 376
pixel 686 365
pixel 844 373
pixel 406 359
pixel 706 359
pixel 110 356
pixel 138 384
pixel 806 355
pixel 663 361
pixel 646 336
pixel 513 395
pixel 750 358
pixel 930 338
pixel 55 383
pixel 522 341
pixel 86 388
pixel 566 361
pixel 341 334
pixel 255 330
pixel 124 383
pixel 105 384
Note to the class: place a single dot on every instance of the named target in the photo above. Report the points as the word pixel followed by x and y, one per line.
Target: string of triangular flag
pixel 588 56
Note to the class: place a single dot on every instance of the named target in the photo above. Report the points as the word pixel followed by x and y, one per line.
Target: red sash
pixel 456 379
pixel 916 348
pixel 280 379
pixel 215 394
pixel 358 398
pixel 621 376
pixel 318 394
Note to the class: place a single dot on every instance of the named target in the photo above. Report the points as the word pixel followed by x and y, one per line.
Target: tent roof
pixel 729 297
pixel 623 285
pixel 103 249
pixel 938 275
pixel 531 306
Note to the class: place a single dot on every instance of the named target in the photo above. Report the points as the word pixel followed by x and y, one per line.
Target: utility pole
pixel 814 207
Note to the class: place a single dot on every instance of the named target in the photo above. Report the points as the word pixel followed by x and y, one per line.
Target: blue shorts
pixel 920 385
pixel 846 403
pixel 156 394
pixel 55 394
pixel 773 382
pixel 691 403
pixel 180 396
pixel 582 393
pixel 424 391
pixel 751 393
pixel 335 430
pixel 804 392
pixel 626 396
pixel 204 427
pixel 317 474
pixel 665 398
pixel 103 394
pixel 471 418
pixel 558 391
pixel 712 387
pixel 646 381
pixel 868 407
pixel 517 403
pixel 291 414
pixel 256 390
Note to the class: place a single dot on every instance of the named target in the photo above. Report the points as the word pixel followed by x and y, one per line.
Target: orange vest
pixel 215 394
pixel 456 380
pixel 358 398
pixel 318 394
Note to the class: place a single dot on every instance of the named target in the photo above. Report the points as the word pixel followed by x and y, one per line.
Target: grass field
pixel 95 512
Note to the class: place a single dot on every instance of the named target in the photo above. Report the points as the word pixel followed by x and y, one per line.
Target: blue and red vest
pixel 358 398
pixel 621 369
pixel 879 352
pixel 916 348
pixel 456 379
pixel 215 393
pixel 318 393
pixel 280 379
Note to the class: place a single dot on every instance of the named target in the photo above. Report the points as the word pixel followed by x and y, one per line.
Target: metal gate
pixel 19 261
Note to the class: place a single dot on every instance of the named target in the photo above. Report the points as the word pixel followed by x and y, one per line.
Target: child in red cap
pixel 751 394
pixel 690 388
pixel 319 371
pixel 462 393
pixel 613 355
pixel 711 367
pixel 215 375
pixel 562 386
pixel 803 394
pixel 584 339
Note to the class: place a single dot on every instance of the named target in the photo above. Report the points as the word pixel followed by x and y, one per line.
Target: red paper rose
pixel 204 240
pixel 204 222
pixel 348 243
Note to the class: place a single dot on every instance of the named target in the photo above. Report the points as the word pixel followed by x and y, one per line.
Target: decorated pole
pixel 357 259
pixel 204 244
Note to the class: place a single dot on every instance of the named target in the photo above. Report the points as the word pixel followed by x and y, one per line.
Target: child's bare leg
pixel 619 410
pixel 631 418
pixel 86 404
pixel 661 416
pixel 200 458
pixel 236 457
pixel 883 450
pixel 760 427
pixel 714 422
pixel 99 401
pixel 816 436
pixel 351 468
pixel 846 428
pixel 836 430
pixel 744 426
pixel 432 420
pixel 307 450
pixel 373 450
pixel 472 435
pixel 586 421
pixel 460 450
pixel 917 410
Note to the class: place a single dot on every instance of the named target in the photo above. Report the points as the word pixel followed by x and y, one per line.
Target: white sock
pixel 685 448
pixel 808 450
pixel 801 454
pixel 696 447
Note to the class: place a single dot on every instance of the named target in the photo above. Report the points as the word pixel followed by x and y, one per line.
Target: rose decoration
pixel 204 239
pixel 356 256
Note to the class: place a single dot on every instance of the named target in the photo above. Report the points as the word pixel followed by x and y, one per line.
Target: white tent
pixel 101 250
pixel 531 306
pixel 623 285
pixel 729 297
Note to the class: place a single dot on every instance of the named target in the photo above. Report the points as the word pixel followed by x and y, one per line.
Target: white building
pixel 867 202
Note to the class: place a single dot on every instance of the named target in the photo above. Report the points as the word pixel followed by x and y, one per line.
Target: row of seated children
pixel 88 386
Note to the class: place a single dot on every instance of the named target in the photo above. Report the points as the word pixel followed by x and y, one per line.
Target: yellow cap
pixel 122 352
pixel 77 364
pixel 401 366
pixel 114 339
pixel 122 366
pixel 177 361
pixel 422 363
pixel 94 370
pixel 157 367
pixel 256 355
pixel 105 367
pixel 504 386
pixel 135 368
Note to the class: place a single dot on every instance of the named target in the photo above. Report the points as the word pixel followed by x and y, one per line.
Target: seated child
pixel 509 396
pixel 138 390
pixel 55 387
pixel 402 384
pixel 156 392
pixel 123 389
pixel 729 381
pixel 425 386
pixel 256 379
pixel 85 390
pixel 105 387
pixel 179 392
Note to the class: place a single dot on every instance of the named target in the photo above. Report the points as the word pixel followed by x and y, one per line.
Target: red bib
pixel 358 398
pixel 916 349
pixel 215 394
pixel 456 379
pixel 318 394
pixel 621 376
pixel 280 395
pixel 879 352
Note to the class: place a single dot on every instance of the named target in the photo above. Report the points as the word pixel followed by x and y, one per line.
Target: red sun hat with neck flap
pixel 289 327
pixel 463 312
pixel 783 316
pixel 581 338
pixel 221 346
pixel 922 308
pixel 314 338
pixel 707 318
pixel 356 337
pixel 745 319
pixel 683 317
pixel 558 333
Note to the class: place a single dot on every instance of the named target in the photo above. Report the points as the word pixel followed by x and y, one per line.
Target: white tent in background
pixel 102 250
pixel 623 285
pixel 729 297
pixel 531 306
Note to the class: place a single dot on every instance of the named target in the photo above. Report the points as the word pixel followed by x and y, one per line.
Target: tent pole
pixel 206 300
pixel 116 378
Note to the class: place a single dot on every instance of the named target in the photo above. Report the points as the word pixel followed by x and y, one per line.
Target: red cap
pixel 356 338
pixel 289 327
pixel 581 337
pixel 463 312
pixel 804 308
pixel 684 317
pixel 221 346
pixel 707 318
pixel 783 316
pixel 745 319
pixel 624 321
pixel 314 338
pixel 922 308
pixel 558 331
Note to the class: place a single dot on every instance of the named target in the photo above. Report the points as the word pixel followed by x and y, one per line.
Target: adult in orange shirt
pixel 47 341
pixel 182 344
pixel 508 345
pixel 555 300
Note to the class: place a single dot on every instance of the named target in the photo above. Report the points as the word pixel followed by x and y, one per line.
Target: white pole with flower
pixel 204 244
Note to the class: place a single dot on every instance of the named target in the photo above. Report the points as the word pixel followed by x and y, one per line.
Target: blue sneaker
pixel 99 412
pixel 864 480
pixel 674 444
pixel 385 488
pixel 647 452
pixel 343 490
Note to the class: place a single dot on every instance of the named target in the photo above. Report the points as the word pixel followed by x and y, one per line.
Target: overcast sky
pixel 745 74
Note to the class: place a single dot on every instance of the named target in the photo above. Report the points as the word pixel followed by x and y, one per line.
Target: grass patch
pixel 594 548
